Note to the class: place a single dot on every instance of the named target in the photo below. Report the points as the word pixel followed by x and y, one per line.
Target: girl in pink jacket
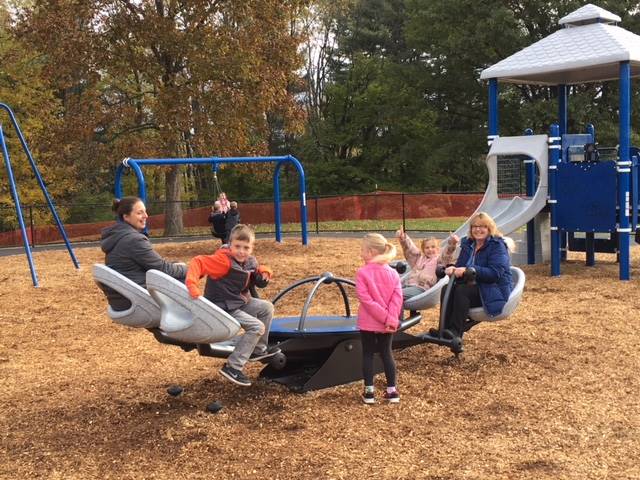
pixel 380 294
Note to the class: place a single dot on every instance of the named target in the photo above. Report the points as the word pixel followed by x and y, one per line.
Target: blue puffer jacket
pixel 493 274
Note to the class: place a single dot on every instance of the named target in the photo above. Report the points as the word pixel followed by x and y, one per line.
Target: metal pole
pixel 554 158
pixel 16 200
pixel 404 217
pixel 317 215
pixel 530 171
pixel 43 187
pixel 624 169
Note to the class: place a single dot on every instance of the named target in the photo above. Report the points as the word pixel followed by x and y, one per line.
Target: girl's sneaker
pixel 393 397
pixel 369 398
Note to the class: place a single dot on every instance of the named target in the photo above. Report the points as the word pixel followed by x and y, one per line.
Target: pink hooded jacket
pixel 380 294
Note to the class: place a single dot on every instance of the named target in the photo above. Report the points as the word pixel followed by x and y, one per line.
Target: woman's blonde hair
pixel 385 251
pixel 486 219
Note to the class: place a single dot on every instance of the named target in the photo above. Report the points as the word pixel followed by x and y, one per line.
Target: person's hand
pixel 459 271
pixel 194 291
pixel 400 234
pixel 454 240
pixel 390 328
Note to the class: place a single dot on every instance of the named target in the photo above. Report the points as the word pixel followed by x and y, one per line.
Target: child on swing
pixel 380 294
pixel 423 262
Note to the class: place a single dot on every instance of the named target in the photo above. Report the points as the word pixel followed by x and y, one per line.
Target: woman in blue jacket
pixel 485 250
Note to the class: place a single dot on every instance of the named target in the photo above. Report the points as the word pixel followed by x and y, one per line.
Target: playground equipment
pixel 16 197
pixel 317 351
pixel 477 314
pixel 587 195
pixel 135 164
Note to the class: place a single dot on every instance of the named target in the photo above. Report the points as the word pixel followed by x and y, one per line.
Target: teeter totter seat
pixel 478 315
pixel 186 319
pixel 144 312
pixel 172 316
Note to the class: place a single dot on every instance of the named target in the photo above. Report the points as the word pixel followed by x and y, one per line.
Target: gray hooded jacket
pixel 130 253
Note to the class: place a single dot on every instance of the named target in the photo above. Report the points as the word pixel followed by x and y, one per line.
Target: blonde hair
pixel 385 251
pixel 424 242
pixel 242 232
pixel 486 219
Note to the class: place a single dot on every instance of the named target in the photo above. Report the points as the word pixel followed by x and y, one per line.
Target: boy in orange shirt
pixel 231 271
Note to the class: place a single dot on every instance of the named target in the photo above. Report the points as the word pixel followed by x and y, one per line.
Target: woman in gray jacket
pixel 129 252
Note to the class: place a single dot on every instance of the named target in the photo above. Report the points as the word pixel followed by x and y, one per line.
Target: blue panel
pixel 574 139
pixel 586 194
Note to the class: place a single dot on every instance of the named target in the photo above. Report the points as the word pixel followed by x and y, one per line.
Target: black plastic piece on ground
pixel 174 390
pixel 214 407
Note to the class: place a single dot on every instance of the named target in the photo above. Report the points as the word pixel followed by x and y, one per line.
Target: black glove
pixel 259 280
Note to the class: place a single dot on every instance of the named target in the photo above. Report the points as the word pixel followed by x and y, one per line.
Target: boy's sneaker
pixel 369 398
pixel 393 397
pixel 236 376
pixel 269 352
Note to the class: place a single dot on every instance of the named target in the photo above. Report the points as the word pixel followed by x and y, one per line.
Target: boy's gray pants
pixel 255 319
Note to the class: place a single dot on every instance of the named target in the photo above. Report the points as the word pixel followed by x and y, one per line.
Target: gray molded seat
pixel 144 311
pixel 479 315
pixel 428 299
pixel 186 319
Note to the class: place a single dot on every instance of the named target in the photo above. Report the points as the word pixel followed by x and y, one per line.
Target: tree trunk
pixel 173 210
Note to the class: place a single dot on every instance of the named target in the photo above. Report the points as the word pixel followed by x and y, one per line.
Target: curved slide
pixel 512 213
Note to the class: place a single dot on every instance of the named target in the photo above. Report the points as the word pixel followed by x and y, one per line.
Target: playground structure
pixel 16 196
pixel 135 165
pixel 587 195
pixel 316 351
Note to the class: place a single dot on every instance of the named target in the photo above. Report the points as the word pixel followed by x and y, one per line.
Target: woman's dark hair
pixel 123 206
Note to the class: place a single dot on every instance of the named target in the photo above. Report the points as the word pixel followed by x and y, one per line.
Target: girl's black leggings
pixel 373 342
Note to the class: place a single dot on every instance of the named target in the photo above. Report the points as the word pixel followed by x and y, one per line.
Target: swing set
pixel 136 164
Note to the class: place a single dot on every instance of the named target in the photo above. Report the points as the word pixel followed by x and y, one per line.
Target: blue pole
pixel 531 224
pixel 43 187
pixel 554 158
pixel 589 237
pixel 16 200
pixel 624 169
pixel 563 116
pixel 493 110
pixel 276 202
pixel 302 190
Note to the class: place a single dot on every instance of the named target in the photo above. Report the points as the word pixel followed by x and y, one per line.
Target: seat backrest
pixel 144 311
pixel 479 315
pixel 186 319
pixel 428 299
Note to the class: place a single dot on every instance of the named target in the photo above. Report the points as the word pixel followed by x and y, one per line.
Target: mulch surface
pixel 552 392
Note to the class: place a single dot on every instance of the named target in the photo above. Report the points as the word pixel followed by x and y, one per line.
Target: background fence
pixel 380 211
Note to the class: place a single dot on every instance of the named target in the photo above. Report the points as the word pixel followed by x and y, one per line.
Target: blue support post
pixel 16 200
pixel 555 142
pixel 531 224
pixel 277 214
pixel 43 187
pixel 493 131
pixel 589 240
pixel 624 170
pixel 563 119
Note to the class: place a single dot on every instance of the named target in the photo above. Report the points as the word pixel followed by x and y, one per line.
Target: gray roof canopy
pixel 588 49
